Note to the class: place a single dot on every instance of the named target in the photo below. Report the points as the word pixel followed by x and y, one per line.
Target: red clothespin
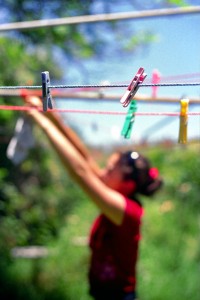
pixel 155 80
pixel 133 87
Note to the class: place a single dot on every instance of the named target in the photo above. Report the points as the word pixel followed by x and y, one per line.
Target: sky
pixel 176 51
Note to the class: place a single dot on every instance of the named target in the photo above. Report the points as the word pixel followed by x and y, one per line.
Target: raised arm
pixel 110 202
pixel 67 132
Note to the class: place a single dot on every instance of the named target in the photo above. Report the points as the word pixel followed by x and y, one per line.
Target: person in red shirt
pixel 114 247
pixel 115 234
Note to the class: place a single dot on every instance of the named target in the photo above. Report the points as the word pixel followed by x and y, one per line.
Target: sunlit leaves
pixel 139 40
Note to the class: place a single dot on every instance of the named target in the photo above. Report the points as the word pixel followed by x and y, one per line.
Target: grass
pixel 169 261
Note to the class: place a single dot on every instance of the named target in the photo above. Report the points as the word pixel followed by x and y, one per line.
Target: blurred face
pixel 129 173
pixel 113 174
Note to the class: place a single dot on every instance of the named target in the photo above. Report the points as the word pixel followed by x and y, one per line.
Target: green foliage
pixel 34 215
pixel 77 40
pixel 140 40
pixel 178 2
pixel 170 248
pixel 169 251
pixel 21 64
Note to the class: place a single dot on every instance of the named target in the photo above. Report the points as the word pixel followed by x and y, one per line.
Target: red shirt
pixel 114 251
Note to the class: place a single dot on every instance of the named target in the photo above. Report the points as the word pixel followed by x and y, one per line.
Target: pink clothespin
pixel 155 79
pixel 133 87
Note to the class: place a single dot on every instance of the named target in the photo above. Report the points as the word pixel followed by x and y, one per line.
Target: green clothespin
pixel 130 118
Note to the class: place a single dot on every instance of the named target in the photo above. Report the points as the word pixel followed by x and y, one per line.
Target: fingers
pixel 33 101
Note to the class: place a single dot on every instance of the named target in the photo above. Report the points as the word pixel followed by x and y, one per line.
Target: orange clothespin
pixel 183 121
pixel 133 87
pixel 155 80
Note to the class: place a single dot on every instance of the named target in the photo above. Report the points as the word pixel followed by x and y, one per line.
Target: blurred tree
pixel 71 42
pixel 50 46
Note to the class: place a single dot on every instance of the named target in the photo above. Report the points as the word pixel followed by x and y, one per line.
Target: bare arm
pixel 110 202
pixel 75 140
pixel 67 132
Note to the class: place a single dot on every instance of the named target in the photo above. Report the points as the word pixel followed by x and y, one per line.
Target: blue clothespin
pixel 130 118
pixel 46 95
pixel 133 87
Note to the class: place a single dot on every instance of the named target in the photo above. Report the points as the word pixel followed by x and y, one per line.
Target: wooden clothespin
pixel 46 95
pixel 133 87
pixel 183 121
pixel 130 118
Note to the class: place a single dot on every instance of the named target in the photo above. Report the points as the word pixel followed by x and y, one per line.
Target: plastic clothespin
pixel 133 87
pixel 46 95
pixel 155 80
pixel 130 118
pixel 183 121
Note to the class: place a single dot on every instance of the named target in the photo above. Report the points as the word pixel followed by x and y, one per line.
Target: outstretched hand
pixel 55 119
pixel 33 101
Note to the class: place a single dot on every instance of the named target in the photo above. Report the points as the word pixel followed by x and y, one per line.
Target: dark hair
pixel 139 169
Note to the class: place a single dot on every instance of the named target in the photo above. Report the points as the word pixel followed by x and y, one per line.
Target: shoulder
pixel 134 210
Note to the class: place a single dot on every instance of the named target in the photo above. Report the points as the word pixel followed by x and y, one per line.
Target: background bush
pixel 60 220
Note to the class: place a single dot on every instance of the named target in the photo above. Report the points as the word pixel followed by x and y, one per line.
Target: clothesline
pixel 66 86
pixel 81 111
pixel 97 95
pixel 100 18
